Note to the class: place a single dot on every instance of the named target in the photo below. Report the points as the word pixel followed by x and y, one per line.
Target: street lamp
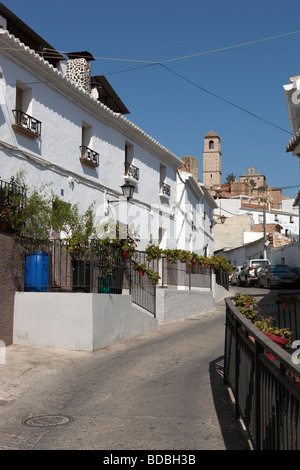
pixel 127 190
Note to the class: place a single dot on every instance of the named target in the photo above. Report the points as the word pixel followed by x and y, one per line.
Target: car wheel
pixel 269 284
pixel 248 283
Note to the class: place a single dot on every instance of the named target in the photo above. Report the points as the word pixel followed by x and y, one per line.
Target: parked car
pixel 275 275
pixel 249 271
pixel 233 279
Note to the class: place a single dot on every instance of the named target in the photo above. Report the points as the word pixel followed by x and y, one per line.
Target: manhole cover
pixel 48 420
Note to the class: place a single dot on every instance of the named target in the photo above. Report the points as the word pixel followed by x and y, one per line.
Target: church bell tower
pixel 212 161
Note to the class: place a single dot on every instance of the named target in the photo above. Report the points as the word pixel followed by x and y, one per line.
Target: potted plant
pixel 128 249
pixel 242 300
pixel 193 259
pixel 172 256
pixel 153 252
pixel 183 256
pixel 281 336
pixel 140 267
pixel 153 276
pixel 287 300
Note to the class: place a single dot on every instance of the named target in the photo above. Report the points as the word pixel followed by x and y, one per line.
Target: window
pixel 130 172
pixel 88 156
pixel 25 124
pixel 164 189
pixel 211 144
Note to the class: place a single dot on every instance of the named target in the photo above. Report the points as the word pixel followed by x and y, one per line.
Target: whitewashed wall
pixel 55 156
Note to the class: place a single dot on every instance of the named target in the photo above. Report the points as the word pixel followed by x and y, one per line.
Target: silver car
pixel 274 275
pixel 234 276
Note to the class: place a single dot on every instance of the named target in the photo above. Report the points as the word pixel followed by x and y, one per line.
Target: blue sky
pixel 176 112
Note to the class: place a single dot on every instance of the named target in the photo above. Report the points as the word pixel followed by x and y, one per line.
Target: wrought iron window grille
pixel 28 122
pixel 89 156
pixel 132 171
pixel 165 189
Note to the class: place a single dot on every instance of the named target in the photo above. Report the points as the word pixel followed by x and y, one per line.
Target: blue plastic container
pixel 36 272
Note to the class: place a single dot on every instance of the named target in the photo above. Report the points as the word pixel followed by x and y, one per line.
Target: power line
pixel 256 41
pixel 223 99
pixel 230 47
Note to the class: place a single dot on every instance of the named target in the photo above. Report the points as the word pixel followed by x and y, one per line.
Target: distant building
pixel 212 161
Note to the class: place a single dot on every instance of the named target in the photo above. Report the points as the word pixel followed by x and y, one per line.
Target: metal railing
pixel 132 171
pixel 186 275
pixel 89 156
pixel 8 205
pixel 97 268
pixel 164 189
pixel 262 377
pixel 28 122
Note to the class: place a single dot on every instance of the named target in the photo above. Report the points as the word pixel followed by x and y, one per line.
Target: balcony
pixel 26 125
pixel 89 157
pixel 164 190
pixel 132 173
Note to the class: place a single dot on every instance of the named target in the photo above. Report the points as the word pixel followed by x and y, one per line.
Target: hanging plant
pixel 153 252
pixel 172 256
pixel 153 276
pixel 183 256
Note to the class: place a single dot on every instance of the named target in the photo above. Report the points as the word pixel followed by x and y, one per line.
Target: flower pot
pixel 104 285
pixel 141 272
pixel 281 342
pixel 125 254
pixel 286 306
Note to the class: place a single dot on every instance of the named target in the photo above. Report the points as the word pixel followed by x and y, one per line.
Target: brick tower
pixel 212 160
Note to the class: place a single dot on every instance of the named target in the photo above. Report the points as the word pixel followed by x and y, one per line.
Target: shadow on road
pixel 234 436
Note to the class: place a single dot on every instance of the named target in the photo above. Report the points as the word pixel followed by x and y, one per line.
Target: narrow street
pixel 163 390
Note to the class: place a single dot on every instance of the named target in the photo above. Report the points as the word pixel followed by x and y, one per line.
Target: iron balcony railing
pixel 89 156
pixel 164 189
pixel 263 380
pixel 28 122
pixel 132 171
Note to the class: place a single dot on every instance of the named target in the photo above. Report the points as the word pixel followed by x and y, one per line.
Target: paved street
pixel 163 390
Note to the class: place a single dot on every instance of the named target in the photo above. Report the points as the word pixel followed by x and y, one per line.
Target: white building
pixel 287 217
pixel 64 128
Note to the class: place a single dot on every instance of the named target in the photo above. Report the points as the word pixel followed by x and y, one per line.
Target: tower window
pixel 211 144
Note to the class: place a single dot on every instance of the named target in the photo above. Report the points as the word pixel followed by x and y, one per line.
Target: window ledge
pixel 164 196
pixel 88 162
pixel 24 131
pixel 131 179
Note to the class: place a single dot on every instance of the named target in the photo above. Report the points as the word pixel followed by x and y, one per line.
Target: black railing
pixel 164 189
pixel 263 379
pixel 222 278
pixel 132 171
pixel 187 275
pixel 89 156
pixel 283 316
pixel 98 268
pixel 28 122
pixel 12 198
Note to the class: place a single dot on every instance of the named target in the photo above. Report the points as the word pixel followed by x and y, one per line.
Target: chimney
pixel 79 69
